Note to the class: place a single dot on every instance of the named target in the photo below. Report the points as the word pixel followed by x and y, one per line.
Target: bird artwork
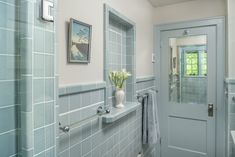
pixel 80 42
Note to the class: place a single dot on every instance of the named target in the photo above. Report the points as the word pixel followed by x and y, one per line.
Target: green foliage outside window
pixel 195 63
pixel 191 63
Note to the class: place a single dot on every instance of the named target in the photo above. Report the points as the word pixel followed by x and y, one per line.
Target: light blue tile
pixel 49 64
pixel 63 142
pixel 86 99
pixel 26 130
pixel 39 115
pixel 7 93
pixel 10 115
pixel 26 93
pixel 8 42
pixel 86 146
pixel 49 45
pixel 39 140
pixel 8 144
pixel 63 154
pixel 49 89
pixel 75 150
pixel 7 16
pixel 86 130
pixel 50 153
pixel 39 37
pixel 75 136
pixel 50 136
pixel 75 101
pixel 39 67
pixel 38 90
pixel 49 113
pixel 26 56
pixel 42 154
pixel 64 104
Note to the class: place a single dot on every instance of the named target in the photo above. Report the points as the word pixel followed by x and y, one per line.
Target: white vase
pixel 119 95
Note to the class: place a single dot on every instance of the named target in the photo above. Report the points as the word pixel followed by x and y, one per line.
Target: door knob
pixel 210 110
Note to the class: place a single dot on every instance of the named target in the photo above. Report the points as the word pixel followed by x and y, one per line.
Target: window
pixel 195 61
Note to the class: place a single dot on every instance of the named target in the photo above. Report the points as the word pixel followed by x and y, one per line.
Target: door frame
pixel 219 23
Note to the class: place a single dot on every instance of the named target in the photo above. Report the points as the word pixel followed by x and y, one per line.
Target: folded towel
pixel 151 131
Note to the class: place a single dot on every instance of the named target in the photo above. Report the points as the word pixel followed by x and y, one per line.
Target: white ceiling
pixel 159 3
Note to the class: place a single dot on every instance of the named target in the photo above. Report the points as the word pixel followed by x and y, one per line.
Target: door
pixel 188 92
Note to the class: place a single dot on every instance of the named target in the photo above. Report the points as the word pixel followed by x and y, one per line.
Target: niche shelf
pixel 117 114
pixel 119 54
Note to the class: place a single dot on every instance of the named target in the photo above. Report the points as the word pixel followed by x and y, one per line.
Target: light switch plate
pixel 153 58
pixel 47 11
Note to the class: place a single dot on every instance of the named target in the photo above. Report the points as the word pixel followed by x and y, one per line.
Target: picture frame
pixel 79 46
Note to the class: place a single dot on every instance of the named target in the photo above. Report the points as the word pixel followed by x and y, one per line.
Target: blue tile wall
pixel 38 81
pixel 93 138
pixel 230 103
pixel 9 78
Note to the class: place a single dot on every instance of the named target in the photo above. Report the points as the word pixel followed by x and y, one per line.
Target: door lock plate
pixel 210 110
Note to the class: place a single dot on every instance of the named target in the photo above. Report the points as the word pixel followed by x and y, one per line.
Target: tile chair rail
pixel 100 111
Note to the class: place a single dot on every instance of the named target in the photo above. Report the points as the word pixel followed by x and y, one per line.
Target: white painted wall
pixel 231 38
pixel 91 12
pixel 189 11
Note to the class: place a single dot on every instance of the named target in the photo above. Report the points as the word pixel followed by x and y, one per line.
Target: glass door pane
pixel 188 69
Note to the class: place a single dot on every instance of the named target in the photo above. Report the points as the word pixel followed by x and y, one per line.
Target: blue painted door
pixel 188 92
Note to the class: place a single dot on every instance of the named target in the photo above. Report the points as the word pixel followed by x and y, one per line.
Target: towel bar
pixel 142 96
pixel 100 111
pixel 67 128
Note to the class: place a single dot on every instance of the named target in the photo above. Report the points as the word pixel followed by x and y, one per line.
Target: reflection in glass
pixel 188 69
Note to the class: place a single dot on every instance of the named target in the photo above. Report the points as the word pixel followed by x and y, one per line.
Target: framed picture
pixel 79 48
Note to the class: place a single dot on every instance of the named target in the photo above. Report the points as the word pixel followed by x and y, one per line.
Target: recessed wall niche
pixel 119 52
